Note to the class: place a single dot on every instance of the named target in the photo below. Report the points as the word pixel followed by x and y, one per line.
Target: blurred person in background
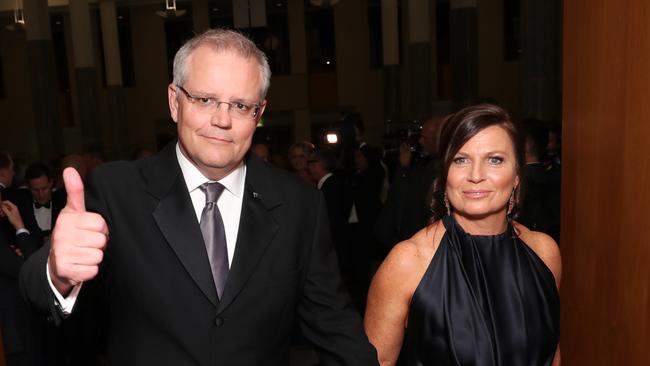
pixel 298 155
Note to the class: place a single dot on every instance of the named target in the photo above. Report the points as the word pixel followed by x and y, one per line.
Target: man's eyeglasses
pixel 236 110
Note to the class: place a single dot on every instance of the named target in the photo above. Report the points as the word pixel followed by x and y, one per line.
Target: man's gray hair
pixel 223 40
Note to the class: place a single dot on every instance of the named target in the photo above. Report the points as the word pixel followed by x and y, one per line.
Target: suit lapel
pixel 257 228
pixel 176 219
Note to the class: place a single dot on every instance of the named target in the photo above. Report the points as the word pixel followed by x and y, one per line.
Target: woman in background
pixel 299 152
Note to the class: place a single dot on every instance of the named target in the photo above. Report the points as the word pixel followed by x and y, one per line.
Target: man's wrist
pixel 62 287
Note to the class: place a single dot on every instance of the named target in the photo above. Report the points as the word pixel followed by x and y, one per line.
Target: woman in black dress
pixel 474 287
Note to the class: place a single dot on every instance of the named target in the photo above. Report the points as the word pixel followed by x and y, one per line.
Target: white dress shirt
pixel 43 217
pixel 229 203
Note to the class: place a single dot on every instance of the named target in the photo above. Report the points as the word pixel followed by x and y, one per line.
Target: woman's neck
pixel 492 224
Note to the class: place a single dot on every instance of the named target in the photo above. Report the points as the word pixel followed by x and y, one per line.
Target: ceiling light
pixel 19 17
pixel 170 10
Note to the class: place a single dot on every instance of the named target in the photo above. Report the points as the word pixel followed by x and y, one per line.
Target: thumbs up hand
pixel 78 239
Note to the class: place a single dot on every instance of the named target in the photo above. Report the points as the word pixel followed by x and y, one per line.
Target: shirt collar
pixel 233 182
pixel 323 179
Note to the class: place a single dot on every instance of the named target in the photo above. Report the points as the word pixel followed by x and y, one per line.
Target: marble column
pixel 43 78
pixel 200 15
pixel 85 75
pixel 464 51
pixel 390 43
pixel 541 44
pixel 420 62
pixel 114 86
pixel 298 42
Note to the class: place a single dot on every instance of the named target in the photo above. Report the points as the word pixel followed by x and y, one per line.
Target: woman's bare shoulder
pixel 545 247
pixel 427 240
pixel 408 260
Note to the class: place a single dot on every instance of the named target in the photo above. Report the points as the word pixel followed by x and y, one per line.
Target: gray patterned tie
pixel 214 235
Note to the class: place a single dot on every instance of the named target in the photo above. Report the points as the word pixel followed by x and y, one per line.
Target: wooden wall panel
pixel 606 183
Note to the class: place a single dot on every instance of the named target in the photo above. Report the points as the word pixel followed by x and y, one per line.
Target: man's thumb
pixel 74 187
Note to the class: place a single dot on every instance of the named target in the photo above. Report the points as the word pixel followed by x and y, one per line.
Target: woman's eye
pixel 460 160
pixel 495 160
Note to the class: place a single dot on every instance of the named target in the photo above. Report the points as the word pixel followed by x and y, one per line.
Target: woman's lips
pixel 476 193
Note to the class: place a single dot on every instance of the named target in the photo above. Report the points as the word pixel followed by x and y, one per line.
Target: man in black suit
pixel 16 325
pixel 407 208
pixel 194 272
pixel 43 205
pixel 540 210
pixel 322 165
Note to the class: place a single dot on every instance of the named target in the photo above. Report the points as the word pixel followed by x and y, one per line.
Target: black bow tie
pixel 38 205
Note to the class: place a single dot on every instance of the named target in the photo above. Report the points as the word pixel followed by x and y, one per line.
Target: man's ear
pixel 172 98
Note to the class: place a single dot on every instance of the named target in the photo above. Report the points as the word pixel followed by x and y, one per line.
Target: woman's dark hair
pixel 460 128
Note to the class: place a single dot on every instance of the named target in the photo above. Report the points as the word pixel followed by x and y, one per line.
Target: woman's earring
pixel 447 204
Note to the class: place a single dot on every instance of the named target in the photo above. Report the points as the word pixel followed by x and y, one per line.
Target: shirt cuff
pixel 64 304
pixel 23 230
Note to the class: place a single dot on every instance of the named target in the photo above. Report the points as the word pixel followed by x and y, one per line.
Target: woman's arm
pixel 392 288
pixel 548 251
pixel 557 360
pixel 389 297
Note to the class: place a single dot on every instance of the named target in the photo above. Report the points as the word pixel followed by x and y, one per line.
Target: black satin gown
pixel 483 301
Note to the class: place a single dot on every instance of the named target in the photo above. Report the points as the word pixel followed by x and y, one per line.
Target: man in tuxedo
pixel 44 204
pixel 203 254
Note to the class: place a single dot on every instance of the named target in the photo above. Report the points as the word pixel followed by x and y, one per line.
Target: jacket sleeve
pixel 10 262
pixel 326 315
pixel 35 286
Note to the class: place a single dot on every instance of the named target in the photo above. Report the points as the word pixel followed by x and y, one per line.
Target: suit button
pixel 218 321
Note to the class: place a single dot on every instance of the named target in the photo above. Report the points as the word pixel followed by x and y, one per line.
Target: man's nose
pixel 221 116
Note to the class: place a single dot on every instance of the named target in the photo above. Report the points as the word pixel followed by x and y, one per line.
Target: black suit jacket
pixel 158 288
pixel 539 210
pixel 338 198
pixel 408 205
pixel 23 199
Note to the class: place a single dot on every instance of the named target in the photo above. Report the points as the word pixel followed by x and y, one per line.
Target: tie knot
pixel 212 191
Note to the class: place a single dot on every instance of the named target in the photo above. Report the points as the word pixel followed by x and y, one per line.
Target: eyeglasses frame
pixel 193 99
